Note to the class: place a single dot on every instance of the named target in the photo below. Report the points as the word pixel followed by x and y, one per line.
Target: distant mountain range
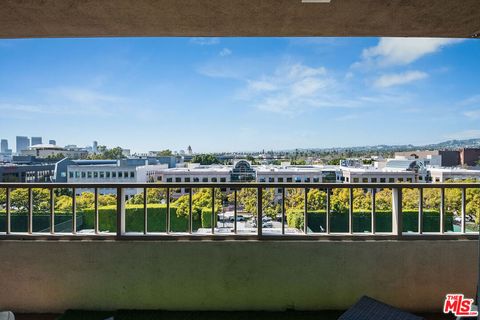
pixel 446 145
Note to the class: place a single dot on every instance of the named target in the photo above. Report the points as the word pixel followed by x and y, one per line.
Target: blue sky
pixel 240 94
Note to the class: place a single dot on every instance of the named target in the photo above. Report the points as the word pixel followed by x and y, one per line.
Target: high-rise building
pixel 22 143
pixel 52 142
pixel 4 146
pixel 95 147
pixel 189 150
pixel 36 140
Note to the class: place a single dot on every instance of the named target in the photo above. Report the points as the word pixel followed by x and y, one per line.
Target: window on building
pixel 132 174
pixel 204 179
pixel 70 174
pixel 261 179
pixel 196 179
pixel 187 179
pixel 89 174
pixel 409 179
pixel 77 174
pixel 214 179
pixel 289 179
pixel 107 174
pixel 120 174
pixel 307 179
pixel 400 179
pixel 391 180
pixel 102 175
pixel 271 179
pixel 420 178
pixel 383 180
pixel 95 174
pixel 374 180
pixel 316 179
pixel 84 175
pixel 298 179
pixel 347 179
pixel 280 179
pixel 178 179
pixel 169 179
pixel 365 180
pixel 114 174
pixel 355 180
pixel 125 174
pixel 223 179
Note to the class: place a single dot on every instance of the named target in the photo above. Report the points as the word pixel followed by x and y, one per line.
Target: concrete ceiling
pixel 111 18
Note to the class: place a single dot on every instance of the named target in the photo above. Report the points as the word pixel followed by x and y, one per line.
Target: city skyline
pixel 222 94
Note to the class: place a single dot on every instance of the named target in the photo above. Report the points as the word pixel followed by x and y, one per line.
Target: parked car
pixel 268 224
pixel 239 218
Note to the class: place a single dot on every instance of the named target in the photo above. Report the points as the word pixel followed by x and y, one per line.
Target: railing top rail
pixel 292 185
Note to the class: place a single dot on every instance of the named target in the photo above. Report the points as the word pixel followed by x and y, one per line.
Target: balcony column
pixel 397 223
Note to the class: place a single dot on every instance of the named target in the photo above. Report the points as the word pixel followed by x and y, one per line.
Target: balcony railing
pixel 456 228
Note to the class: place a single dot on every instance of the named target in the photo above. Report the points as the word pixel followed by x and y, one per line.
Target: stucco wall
pixel 41 276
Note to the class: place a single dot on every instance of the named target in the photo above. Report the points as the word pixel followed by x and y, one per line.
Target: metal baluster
pixel 283 210
pixel 214 221
pixel 120 212
pixel 235 211
pixel 464 209
pixel 30 210
pixel 305 211
pixel 168 212
pixel 145 212
pixel 374 209
pixel 74 211
pixel 96 211
pixel 190 212
pixel 8 212
pixel 259 211
pixel 350 211
pixel 442 210
pixel 52 211
pixel 420 210
pixel 327 213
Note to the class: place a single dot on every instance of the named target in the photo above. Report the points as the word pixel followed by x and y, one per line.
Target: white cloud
pixel 24 109
pixel 473 114
pixel 467 134
pixel 81 95
pixel 205 41
pixel 471 100
pixel 401 51
pixel 394 79
pixel 293 88
pixel 225 52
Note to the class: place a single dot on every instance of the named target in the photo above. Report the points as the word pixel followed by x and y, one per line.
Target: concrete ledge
pixel 51 276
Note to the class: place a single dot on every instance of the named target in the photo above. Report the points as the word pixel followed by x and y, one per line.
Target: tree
pixel 205 159
pixel 166 152
pixel 201 198
pixel 247 197
pixel 104 154
pixel 20 199
pixel 154 195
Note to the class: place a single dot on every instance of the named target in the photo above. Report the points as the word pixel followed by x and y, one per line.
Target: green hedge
pixel 134 219
pixel 41 222
pixel 108 219
pixel 206 217
pixel 362 221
